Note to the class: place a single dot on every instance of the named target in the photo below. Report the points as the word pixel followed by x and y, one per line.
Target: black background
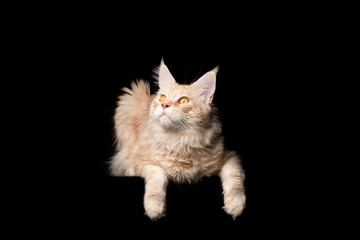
pixel 253 96
pixel 266 75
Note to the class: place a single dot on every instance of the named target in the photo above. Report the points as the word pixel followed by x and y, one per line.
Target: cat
pixel 174 135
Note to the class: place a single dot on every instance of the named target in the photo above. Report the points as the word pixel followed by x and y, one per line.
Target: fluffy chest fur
pixel 187 156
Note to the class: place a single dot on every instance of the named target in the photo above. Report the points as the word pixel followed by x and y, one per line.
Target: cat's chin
pixel 166 123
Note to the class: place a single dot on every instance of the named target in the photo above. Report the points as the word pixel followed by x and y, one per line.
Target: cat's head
pixel 182 107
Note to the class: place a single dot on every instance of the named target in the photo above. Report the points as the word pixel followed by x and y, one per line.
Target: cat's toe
pixel 155 210
pixel 234 205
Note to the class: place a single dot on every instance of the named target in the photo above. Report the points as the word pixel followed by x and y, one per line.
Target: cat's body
pixel 174 135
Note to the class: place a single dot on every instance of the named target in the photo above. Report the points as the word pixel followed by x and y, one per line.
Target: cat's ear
pixel 165 77
pixel 206 85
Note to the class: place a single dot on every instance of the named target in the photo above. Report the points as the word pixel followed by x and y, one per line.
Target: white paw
pixel 130 171
pixel 154 208
pixel 234 204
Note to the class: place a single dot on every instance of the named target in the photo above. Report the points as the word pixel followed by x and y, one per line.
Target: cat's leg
pixel 155 191
pixel 232 177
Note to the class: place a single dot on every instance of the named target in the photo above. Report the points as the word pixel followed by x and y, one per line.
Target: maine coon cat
pixel 174 135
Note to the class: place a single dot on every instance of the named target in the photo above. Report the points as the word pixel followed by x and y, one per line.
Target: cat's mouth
pixel 165 120
pixel 164 116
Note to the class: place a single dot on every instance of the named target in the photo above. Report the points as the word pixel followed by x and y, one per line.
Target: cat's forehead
pixel 176 90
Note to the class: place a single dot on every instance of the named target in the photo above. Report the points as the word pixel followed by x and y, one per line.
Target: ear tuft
pixel 165 77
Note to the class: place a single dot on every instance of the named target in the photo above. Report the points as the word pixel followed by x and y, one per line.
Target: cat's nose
pixel 165 105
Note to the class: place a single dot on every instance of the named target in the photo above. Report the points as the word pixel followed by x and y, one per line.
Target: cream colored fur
pixel 166 140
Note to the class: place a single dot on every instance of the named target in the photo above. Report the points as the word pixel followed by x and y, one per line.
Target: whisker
pixel 201 67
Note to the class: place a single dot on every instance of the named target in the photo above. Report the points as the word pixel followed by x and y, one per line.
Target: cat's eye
pixel 162 98
pixel 183 100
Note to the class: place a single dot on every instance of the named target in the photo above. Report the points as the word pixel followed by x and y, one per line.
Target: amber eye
pixel 183 100
pixel 162 98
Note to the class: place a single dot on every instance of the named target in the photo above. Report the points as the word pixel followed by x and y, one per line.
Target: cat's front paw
pixel 234 204
pixel 154 209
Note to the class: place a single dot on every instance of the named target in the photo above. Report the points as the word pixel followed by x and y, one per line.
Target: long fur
pixel 162 141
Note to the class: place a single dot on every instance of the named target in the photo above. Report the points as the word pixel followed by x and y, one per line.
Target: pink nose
pixel 165 105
